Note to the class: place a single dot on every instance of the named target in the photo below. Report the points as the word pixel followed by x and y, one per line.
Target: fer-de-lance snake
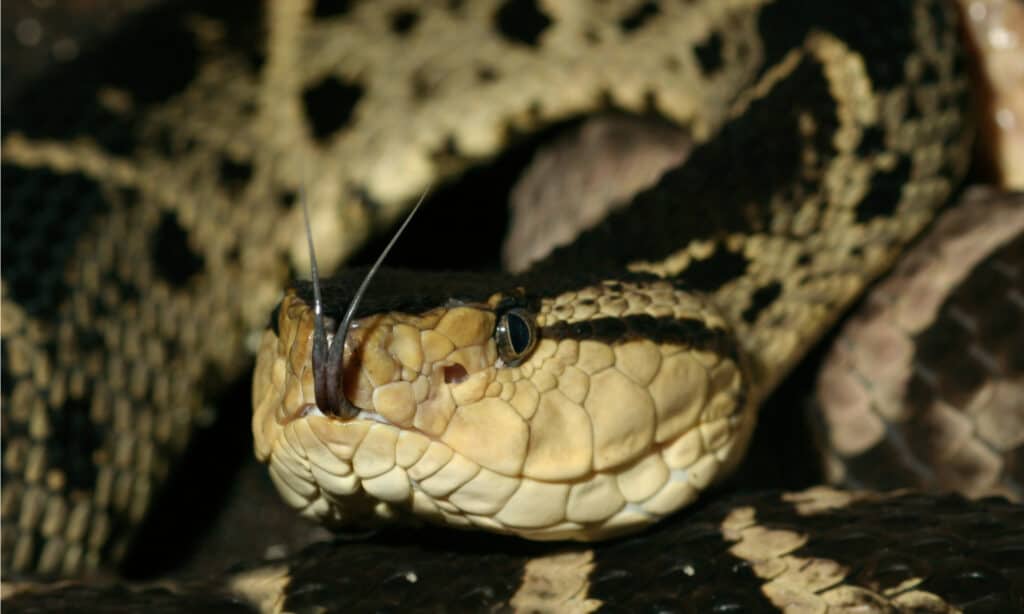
pixel 845 144
pixel 615 380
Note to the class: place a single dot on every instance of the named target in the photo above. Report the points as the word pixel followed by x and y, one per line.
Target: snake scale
pixel 150 223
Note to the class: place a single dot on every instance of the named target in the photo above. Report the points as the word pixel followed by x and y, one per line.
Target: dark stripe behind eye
pixel 684 331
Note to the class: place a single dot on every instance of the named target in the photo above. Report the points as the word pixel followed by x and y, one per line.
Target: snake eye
pixel 515 335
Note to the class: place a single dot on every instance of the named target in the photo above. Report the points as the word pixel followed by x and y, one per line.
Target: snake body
pixel 642 386
pixel 149 225
pixel 942 415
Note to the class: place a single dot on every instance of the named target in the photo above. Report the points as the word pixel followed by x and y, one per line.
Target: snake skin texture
pixel 816 551
pixel 150 223
pixel 928 380
pixel 660 329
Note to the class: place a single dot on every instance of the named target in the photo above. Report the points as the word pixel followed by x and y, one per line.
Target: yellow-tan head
pixel 564 414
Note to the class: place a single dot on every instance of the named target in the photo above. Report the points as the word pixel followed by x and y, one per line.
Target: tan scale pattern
pixel 396 144
pixel 840 260
pixel 630 467
pixel 559 447
pixel 819 550
pixel 796 583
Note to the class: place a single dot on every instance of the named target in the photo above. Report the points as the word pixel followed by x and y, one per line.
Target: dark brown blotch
pixel 330 104
pixel 234 175
pixel 521 22
pixel 639 17
pixel 174 260
pixel 404 21
pixel 762 298
pixel 709 54
pixel 332 8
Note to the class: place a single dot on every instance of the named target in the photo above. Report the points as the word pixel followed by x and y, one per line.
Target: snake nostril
pixel 455 374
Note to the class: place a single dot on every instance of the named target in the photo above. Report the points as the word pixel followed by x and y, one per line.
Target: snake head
pixel 406 371
pixel 580 414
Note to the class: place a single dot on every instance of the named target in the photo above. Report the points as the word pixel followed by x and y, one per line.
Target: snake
pixel 148 234
pixel 553 405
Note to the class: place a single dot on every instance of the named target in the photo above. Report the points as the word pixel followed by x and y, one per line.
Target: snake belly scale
pixel 659 330
pixel 148 228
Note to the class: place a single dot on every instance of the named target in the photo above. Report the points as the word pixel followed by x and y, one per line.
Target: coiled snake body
pixel 598 392
pixel 633 384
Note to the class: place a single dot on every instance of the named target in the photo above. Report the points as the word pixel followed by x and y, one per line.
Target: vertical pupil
pixel 518 333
